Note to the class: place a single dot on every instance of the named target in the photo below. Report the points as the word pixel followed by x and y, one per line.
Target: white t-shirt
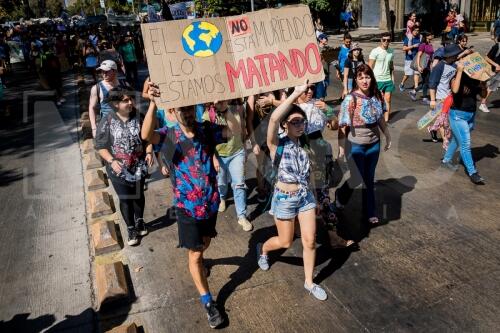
pixel 383 59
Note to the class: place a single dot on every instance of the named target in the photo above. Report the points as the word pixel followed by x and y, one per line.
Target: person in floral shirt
pixel 190 146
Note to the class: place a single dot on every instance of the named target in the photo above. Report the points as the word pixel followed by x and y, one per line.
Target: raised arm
pixel 278 114
pixel 455 82
pixel 148 125
pixel 92 109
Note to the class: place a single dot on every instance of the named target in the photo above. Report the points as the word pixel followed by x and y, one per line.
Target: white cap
pixel 107 65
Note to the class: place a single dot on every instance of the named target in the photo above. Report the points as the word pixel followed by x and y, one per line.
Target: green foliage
pixel 319 5
pixel 11 10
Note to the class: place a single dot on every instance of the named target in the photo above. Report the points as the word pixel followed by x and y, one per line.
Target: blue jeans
pixel 362 162
pixel 232 169
pixel 461 123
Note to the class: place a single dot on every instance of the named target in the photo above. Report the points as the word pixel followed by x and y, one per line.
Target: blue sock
pixel 207 298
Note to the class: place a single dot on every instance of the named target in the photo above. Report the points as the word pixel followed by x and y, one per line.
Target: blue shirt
pixel 344 52
pixel 409 55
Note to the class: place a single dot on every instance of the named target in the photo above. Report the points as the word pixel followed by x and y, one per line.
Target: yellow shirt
pixel 234 144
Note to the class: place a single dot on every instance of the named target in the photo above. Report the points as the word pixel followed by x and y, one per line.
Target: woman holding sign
pixel 461 117
pixel 292 198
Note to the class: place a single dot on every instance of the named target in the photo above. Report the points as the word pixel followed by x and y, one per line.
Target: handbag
pixel 424 60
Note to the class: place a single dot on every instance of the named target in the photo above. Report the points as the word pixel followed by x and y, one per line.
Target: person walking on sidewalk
pixel 439 88
pixel 292 198
pixel 461 116
pixel 196 197
pixel 99 93
pixel 343 54
pixel 493 58
pixel 424 59
pixel 354 59
pixel 381 61
pixel 127 157
pixel 361 120
pixel 90 53
pixel 126 49
pixel 410 47
pixel 231 158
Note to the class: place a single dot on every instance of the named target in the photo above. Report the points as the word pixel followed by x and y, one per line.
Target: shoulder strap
pixel 98 90
pixel 279 153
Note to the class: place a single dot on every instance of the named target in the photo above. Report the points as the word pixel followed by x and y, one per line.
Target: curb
pixel 112 286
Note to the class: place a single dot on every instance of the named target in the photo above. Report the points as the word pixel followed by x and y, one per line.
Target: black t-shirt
pixel 352 65
pixel 466 98
pixel 494 55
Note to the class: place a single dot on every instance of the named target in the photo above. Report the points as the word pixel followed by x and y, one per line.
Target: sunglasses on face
pixel 386 40
pixel 298 122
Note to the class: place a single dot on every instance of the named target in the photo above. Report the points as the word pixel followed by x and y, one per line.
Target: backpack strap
pixel 278 154
pixel 274 172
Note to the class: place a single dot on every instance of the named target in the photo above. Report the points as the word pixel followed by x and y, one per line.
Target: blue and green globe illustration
pixel 201 39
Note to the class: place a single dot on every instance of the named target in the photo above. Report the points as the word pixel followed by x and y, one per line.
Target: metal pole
pixel 251 5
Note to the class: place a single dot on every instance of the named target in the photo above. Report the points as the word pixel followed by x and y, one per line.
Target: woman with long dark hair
pixel 354 59
pixel 292 198
pixel 361 119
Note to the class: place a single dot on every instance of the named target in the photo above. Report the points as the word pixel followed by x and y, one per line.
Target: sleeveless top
pixel 105 107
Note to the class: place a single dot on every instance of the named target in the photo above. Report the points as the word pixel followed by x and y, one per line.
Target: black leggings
pixel 132 200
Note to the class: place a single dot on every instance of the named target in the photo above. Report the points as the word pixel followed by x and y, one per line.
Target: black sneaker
pixel 434 136
pixel 476 179
pixel 133 236
pixel 213 315
pixel 450 166
pixel 140 226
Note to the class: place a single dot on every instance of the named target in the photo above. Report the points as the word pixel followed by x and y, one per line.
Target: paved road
pixel 45 274
pixel 432 265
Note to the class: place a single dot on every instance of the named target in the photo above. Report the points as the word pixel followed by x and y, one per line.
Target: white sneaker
pixel 245 224
pixel 222 206
pixel 316 290
pixel 484 108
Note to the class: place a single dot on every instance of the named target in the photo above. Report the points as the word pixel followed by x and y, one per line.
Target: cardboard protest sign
pixel 476 67
pixel 208 59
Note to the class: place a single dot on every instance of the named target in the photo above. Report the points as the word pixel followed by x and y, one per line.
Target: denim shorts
pixel 285 206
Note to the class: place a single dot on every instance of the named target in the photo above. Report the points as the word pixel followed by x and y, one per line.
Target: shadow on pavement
pixel 389 195
pixel 488 150
pixel 164 221
pixel 247 266
pixel 400 115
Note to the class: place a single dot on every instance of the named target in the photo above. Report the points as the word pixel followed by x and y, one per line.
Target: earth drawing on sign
pixel 201 39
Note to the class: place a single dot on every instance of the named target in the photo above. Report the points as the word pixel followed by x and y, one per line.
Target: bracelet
pixel 150 153
pixel 112 160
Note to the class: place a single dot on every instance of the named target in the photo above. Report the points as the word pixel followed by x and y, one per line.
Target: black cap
pixel 452 50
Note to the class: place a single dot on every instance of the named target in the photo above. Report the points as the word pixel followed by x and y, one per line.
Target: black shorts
pixel 192 231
